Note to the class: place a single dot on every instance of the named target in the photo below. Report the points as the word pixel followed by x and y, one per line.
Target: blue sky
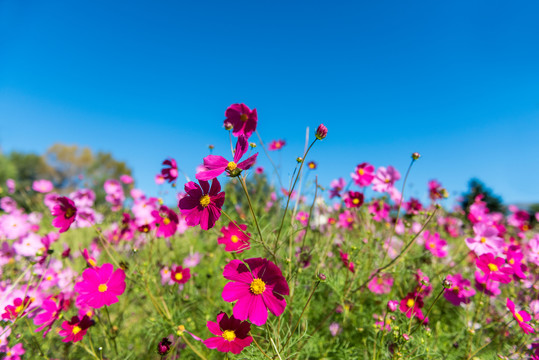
pixel 457 81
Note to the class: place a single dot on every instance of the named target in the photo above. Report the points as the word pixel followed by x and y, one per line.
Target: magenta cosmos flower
pixel 242 118
pixel 18 309
pixel 75 329
pixel 216 164
pixel 494 269
pixel 202 204
pixel 363 175
pixel 235 238
pixel 180 274
pixel 436 245
pixel 100 286
pixel 258 286
pixel 354 199
pixel 381 284
pixel 232 335
pixel 65 212
pixel 276 145
pixel 170 170
pixel 411 305
pixel 522 317
pixel 460 291
pixel 385 179
pixel 165 221
pixel 46 319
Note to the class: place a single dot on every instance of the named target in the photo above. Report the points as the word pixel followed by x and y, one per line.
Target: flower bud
pixel 321 132
pixel 252 145
pixel 447 283
pixel 299 159
pixel 416 156
pixel 164 346
pixel 322 277
pixel 228 125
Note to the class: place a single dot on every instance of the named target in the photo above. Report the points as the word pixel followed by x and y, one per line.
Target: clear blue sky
pixel 457 81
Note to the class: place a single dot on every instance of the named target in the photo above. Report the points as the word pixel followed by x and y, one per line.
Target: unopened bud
pixel 322 277
pixel 299 159
pixel 321 132
pixel 416 156
pixel 228 125
pixel 252 145
pixel 447 283
pixel 211 147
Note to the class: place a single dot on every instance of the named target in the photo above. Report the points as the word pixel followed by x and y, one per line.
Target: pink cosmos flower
pixel 258 286
pixel 321 132
pixel 460 291
pixel 232 335
pixel 276 145
pixel 347 219
pixel 363 175
pixel 334 329
pixel 491 288
pixel 381 284
pixel 170 171
pixel 202 204
pixel 10 183
pixel 180 275
pixel 242 118
pixel 303 217
pixel 42 186
pixel 115 194
pixel 126 179
pixel 165 221
pixel 216 164
pixel 435 190
pixel 159 179
pixel 435 244
pixel 12 353
pixel 46 319
pixel 83 198
pixel 235 239
pixel 65 212
pixel 522 317
pixel 385 178
pixel 514 259
pixel 336 187
pixel 379 210
pixel 75 329
pixel 100 286
pixel 345 258
pixel 494 269
pixel 18 309
pixel 486 239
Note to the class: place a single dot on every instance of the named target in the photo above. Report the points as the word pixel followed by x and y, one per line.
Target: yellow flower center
pixel 178 276
pixel 19 308
pixel 525 227
pixel 69 213
pixel 511 261
pixel 456 289
pixel 387 181
pixel 350 220
pixel 76 330
pixel 278 145
pixel 258 287
pixel 49 278
pixel 91 262
pixel 483 240
pixel 229 335
pixel 231 166
pixel 493 267
pixel 205 200
pixel 102 288
pixel 244 117
pixel 166 221
pixel 410 303
pixel 234 238
pixel 355 201
pixel 518 317
pixel 432 245
pixel 361 171
pixel 380 281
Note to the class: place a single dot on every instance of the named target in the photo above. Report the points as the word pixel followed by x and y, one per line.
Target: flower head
pixel 354 199
pixel 242 119
pixel 276 145
pixel 166 222
pixel 180 275
pixel 216 164
pixel 494 269
pixel 363 175
pixel 42 186
pixel 321 132
pixel 202 204
pixel 522 317
pixel 75 329
pixel 232 335
pixel 258 286
pixel 170 170
pixel 235 238
pixel 65 213
pixel 100 286
pixel 460 290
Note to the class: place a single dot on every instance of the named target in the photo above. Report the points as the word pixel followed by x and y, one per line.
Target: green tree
pixel 476 187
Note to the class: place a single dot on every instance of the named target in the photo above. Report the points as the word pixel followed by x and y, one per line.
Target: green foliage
pixel 475 188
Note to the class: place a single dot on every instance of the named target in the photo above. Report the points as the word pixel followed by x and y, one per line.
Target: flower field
pixel 247 264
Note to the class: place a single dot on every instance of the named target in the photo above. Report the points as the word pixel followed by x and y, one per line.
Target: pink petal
pixel 241 148
pixel 237 271
pixel 258 313
pixel 235 291
pixel 214 328
pixel 275 305
pixel 245 165
pixel 212 162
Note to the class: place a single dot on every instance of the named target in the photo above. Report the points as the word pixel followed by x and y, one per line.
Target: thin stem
pixel 302 312
pixel 428 311
pixel 258 346
pixel 111 336
pixel 396 259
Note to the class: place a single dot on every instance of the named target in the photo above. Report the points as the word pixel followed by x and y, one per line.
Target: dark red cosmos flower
pixel 202 204
pixel 75 329
pixel 180 275
pixel 232 334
